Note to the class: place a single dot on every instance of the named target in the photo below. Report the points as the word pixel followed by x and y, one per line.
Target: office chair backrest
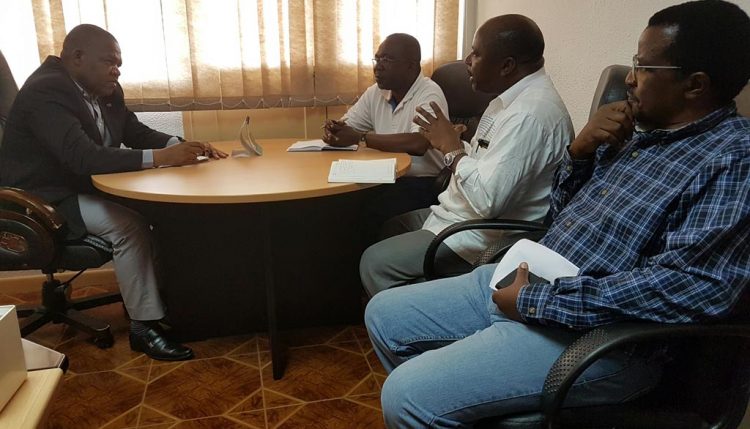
pixel 8 91
pixel 466 106
pixel 611 87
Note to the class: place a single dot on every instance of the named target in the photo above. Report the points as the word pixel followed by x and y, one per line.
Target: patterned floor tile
pixel 211 423
pixel 276 416
pixel 368 385
pixel 216 347
pixel 126 421
pixel 256 419
pixel 334 414
pixel 90 401
pixel 314 336
pixel 202 388
pixel 151 417
pixel 318 372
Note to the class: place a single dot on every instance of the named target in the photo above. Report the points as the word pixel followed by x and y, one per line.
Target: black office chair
pixel 465 105
pixel 32 237
pixel 705 385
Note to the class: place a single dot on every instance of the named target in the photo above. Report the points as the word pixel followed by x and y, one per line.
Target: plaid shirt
pixel 660 229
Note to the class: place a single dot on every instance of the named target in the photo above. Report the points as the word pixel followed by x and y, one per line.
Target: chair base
pixel 57 307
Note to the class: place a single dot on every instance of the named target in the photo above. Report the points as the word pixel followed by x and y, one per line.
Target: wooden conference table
pixel 231 231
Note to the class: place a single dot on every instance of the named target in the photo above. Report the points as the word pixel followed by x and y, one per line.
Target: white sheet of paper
pixel 542 261
pixel 361 171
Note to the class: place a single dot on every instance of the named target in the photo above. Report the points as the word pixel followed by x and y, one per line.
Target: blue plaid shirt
pixel 660 229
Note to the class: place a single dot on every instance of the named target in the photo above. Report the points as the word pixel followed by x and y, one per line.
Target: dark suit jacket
pixel 51 145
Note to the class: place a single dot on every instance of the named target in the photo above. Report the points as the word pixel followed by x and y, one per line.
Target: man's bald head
pixel 405 46
pixel 514 36
pixel 85 37
pixel 92 57
pixel 398 63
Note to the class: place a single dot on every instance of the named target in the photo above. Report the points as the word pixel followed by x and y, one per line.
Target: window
pixel 225 54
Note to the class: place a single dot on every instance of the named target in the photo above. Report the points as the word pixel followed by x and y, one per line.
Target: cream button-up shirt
pixel 523 135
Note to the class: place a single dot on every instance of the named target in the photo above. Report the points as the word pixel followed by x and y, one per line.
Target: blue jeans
pixel 454 358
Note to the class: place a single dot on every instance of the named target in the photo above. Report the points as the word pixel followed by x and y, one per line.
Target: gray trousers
pixel 133 253
pixel 399 258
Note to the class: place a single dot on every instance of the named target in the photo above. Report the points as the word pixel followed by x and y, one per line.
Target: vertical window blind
pixel 227 54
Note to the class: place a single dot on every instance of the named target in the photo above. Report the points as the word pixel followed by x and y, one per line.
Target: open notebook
pixel 545 265
pixel 317 145
pixel 357 171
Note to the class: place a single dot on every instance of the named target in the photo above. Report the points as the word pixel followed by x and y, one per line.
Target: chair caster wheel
pixel 105 341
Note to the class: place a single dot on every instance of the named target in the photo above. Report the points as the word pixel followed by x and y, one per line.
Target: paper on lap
pixel 543 262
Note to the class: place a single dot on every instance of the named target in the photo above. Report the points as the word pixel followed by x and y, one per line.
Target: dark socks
pixel 138 327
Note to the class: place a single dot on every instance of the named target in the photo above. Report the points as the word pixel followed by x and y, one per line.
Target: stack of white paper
pixel 543 262
pixel 316 145
pixel 355 171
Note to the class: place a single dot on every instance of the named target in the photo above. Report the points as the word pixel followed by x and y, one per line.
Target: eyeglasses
pixel 637 66
pixel 386 61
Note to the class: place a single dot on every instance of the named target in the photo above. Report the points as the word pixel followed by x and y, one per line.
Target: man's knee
pixel 372 268
pixel 375 313
pixel 400 400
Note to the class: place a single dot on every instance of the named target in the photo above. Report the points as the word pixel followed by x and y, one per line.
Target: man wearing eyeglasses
pixel 651 201
pixel 382 119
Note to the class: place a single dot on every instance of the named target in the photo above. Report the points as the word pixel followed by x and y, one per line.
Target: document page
pixel 356 171
pixel 543 262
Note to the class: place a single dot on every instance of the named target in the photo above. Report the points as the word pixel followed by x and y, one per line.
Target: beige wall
pixel 584 36
pixel 296 122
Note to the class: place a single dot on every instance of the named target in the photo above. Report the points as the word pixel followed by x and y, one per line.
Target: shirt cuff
pixel 532 300
pixel 148 154
pixel 148 158
pixel 465 167
pixel 570 166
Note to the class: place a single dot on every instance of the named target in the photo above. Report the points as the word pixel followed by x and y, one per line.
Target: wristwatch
pixel 363 137
pixel 449 157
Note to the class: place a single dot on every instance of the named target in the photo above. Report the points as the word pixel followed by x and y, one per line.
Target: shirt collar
pixel 86 96
pixel 387 94
pixel 704 124
pixel 510 94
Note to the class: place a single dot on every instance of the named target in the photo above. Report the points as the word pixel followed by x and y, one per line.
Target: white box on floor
pixel 12 363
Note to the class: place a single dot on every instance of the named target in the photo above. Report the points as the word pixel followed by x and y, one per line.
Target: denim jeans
pixel 454 358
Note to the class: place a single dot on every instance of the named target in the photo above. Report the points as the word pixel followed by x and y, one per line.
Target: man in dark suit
pixel 68 122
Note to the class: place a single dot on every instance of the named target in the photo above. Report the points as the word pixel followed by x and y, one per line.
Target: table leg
pixel 277 358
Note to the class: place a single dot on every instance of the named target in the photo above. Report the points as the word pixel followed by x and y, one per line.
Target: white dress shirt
pixel 374 112
pixel 527 129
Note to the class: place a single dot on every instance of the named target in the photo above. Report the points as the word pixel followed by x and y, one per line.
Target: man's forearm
pixel 411 143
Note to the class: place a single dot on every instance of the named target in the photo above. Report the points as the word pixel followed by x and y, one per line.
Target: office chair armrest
pixel 587 349
pixel 494 224
pixel 33 206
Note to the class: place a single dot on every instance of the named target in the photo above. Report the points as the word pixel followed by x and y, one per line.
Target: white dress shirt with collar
pixel 523 134
pixel 374 112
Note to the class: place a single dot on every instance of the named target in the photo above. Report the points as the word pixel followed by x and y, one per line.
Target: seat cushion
pixel 89 252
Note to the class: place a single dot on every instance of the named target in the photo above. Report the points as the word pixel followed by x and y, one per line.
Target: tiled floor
pixel 332 380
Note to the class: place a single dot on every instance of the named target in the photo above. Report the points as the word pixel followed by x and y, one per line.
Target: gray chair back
pixel 8 91
pixel 466 106
pixel 611 87
pixel 743 102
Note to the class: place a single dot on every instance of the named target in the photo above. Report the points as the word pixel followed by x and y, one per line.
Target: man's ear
pixel 697 85
pixel 508 66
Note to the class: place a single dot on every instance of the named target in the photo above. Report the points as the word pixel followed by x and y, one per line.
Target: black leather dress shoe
pixel 155 346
